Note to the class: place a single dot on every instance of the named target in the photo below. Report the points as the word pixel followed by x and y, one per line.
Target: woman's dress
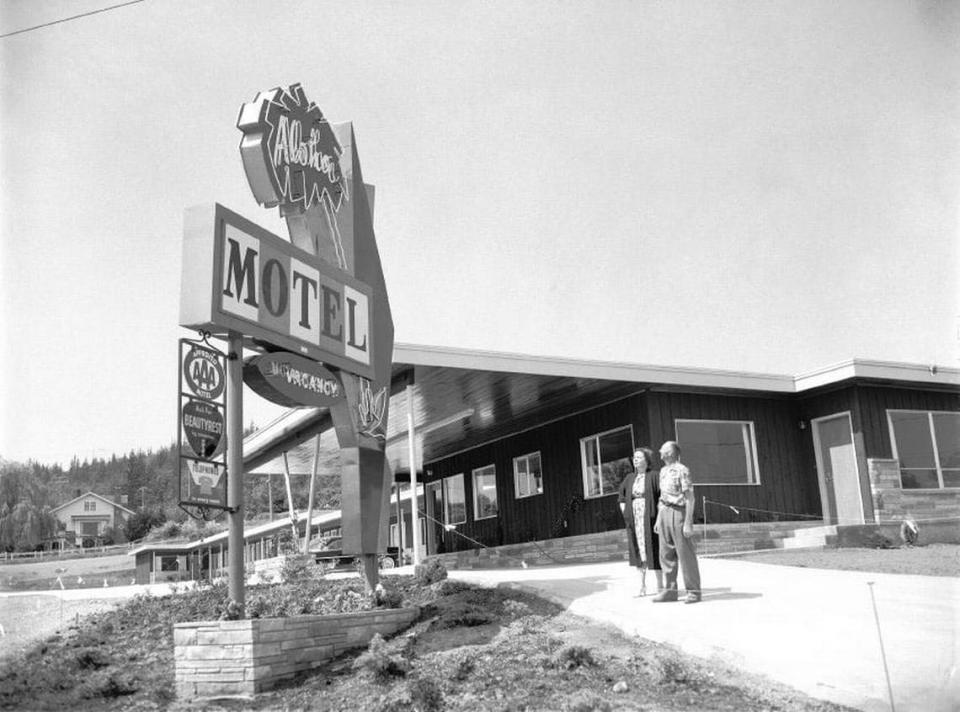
pixel 640 519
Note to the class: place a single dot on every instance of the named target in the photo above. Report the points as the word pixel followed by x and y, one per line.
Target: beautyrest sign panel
pixel 239 276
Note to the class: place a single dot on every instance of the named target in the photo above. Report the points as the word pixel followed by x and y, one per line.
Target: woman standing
pixel 639 493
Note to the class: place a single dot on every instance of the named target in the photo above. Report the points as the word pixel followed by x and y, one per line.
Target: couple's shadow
pixel 718 594
pixel 726 594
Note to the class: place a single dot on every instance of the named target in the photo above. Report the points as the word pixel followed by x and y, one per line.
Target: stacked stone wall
pixel 893 503
pixel 583 548
pixel 241 658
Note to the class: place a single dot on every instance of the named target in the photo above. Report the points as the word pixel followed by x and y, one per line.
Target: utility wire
pixel 67 19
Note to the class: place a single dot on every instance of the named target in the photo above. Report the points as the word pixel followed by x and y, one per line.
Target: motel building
pixel 518 458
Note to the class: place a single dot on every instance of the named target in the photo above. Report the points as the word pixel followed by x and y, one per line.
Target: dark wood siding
pixel 787 489
pixel 868 405
pixel 561 510
pixel 875 401
pixel 842 400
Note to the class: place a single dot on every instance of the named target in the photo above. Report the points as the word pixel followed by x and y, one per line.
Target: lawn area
pixel 116 570
pixel 929 560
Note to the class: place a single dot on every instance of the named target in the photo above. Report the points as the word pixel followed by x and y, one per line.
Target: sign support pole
pixel 412 455
pixel 235 465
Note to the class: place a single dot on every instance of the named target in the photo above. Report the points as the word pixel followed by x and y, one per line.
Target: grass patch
pixel 929 560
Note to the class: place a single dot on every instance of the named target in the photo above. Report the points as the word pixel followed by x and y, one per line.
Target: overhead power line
pixel 68 19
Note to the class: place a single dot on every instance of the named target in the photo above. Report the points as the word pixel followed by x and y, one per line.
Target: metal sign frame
pixel 201 417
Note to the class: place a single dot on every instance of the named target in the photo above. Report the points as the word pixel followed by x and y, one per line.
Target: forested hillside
pixel 145 482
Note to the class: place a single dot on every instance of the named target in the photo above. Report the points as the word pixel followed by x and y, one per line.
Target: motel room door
pixel 837 469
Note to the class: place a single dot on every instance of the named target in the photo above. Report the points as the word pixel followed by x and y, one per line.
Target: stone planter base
pixel 241 658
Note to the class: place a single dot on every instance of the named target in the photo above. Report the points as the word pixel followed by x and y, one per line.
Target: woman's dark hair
pixel 648 454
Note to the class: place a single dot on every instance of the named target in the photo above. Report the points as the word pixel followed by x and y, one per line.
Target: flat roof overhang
pixel 462 398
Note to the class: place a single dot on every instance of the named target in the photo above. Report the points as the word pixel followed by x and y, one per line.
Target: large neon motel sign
pixel 238 276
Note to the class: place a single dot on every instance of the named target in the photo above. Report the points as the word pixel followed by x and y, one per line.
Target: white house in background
pixel 90 515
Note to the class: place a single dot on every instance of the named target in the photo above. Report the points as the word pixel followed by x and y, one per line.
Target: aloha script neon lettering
pixel 291 149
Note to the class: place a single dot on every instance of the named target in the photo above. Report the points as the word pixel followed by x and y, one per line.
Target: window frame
pixel 527 474
pixel 444 493
pixel 933 441
pixel 583 460
pixel 482 471
pixel 751 451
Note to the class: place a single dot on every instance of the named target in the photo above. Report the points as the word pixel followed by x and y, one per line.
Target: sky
pixel 764 186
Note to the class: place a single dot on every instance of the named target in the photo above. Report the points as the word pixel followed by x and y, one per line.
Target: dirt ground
pixel 472 649
pixel 529 658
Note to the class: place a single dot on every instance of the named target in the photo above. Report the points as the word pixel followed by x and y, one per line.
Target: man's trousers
pixel 674 545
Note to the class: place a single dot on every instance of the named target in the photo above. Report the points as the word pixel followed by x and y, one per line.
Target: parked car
pixel 331 557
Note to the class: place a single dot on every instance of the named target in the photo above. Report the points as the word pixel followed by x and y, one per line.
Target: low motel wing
pixel 513 449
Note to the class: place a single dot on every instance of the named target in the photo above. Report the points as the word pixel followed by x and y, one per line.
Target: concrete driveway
pixel 812 629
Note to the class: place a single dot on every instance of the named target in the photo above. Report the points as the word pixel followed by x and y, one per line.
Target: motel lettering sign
pixel 239 276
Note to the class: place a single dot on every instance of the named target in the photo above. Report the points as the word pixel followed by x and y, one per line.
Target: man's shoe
pixel 692 598
pixel 665 596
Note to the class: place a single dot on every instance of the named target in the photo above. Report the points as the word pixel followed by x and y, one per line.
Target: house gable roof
pixel 98 496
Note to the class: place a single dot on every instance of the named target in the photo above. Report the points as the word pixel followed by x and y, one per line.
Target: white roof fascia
pixel 448 357
pixel 287 422
pixel 574 368
pixel 883 370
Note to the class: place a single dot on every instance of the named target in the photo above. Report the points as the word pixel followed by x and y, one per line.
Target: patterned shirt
pixel 674 481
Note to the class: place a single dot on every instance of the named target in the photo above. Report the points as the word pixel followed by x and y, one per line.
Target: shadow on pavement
pixel 727 594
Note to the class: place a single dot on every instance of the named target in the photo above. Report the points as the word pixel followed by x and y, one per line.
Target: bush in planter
pixel 298 568
pixel 429 572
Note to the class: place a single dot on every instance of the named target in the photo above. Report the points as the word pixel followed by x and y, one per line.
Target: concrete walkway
pixel 812 629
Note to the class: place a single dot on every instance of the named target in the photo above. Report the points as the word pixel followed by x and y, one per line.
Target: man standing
pixel 675 526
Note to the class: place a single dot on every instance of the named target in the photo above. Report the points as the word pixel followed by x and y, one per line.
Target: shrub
pixel 671 670
pixel 464 613
pixel 419 695
pixel 515 609
pixel 297 568
pixel 425 695
pixel 380 662
pixel 465 666
pixel 232 611
pixel 571 656
pixel 448 587
pixel 430 571
pixel 107 684
pixel 91 659
pixel 387 597
pixel 584 701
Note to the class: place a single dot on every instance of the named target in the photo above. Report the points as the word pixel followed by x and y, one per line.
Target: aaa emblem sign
pixel 201 436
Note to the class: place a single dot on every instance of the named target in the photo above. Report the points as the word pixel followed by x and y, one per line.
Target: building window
pixel 394 535
pixel 719 452
pixel 90 505
pixel 927 444
pixel 527 476
pixel 606 459
pixel 454 500
pixel 169 563
pixel 485 492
